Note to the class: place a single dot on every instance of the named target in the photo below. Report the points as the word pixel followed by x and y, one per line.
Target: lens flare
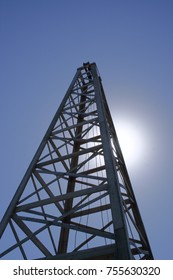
pixel 132 141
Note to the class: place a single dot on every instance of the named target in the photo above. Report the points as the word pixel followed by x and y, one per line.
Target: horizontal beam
pixel 91 211
pixel 74 126
pixel 96 253
pixel 73 226
pixel 55 199
pixel 71 155
pixel 66 175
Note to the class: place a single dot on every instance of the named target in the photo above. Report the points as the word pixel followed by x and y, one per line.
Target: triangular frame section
pixel 76 200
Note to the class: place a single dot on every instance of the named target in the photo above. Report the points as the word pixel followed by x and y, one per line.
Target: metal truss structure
pixel 76 200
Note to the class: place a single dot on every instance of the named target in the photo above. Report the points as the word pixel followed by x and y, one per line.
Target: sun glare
pixel 132 142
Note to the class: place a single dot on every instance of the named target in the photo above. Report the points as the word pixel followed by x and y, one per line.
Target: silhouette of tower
pixel 76 200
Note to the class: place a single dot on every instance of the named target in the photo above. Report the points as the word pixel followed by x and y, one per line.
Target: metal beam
pixel 96 253
pixel 120 229
pixel 58 198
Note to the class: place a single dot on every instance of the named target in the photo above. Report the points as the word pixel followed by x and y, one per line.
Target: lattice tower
pixel 76 200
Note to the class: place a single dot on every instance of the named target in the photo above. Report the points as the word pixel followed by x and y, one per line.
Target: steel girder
pixel 76 200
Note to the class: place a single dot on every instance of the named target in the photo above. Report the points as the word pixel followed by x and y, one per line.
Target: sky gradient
pixel 44 42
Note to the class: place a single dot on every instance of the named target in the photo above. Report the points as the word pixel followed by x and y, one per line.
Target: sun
pixel 132 140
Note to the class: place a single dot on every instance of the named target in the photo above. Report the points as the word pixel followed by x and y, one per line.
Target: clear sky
pixel 43 42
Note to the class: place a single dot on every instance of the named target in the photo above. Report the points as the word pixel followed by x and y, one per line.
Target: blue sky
pixel 44 42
